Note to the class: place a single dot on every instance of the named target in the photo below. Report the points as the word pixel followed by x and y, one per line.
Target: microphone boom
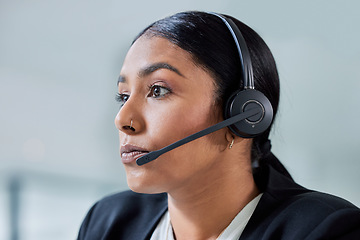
pixel 155 154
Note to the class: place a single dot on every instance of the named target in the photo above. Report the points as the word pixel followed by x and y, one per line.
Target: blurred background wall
pixel 59 62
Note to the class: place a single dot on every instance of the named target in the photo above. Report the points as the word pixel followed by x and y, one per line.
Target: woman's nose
pixel 129 118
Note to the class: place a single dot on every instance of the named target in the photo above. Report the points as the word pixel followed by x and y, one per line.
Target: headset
pixel 247 98
pixel 248 112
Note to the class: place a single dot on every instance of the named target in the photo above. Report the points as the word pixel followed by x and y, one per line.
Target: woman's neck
pixel 204 207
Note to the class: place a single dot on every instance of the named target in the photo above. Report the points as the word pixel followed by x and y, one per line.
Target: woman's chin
pixel 142 188
pixel 141 183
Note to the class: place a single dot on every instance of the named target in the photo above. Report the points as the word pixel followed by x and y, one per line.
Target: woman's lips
pixel 131 156
pixel 129 153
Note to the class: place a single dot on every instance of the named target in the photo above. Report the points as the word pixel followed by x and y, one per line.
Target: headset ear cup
pixel 245 100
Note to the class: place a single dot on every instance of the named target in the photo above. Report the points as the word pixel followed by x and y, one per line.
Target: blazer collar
pixel 276 188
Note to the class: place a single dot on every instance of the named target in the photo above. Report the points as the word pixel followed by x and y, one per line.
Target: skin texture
pixel 165 98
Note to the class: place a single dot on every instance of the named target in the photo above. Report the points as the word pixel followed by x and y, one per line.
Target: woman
pixel 177 79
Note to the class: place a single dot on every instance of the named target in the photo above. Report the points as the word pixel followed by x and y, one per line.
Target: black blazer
pixel 285 211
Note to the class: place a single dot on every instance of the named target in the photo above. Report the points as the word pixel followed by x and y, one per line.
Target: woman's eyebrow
pixel 150 69
pixel 121 79
pixel 156 66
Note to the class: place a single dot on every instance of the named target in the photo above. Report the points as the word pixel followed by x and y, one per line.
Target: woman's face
pixel 165 96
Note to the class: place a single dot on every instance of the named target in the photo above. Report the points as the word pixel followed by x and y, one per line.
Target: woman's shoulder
pixel 314 200
pixel 288 210
pixel 119 204
pixel 312 208
pixel 284 191
pixel 314 215
pixel 290 195
pixel 136 211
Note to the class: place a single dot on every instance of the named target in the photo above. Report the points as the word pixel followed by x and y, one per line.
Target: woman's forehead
pixel 157 52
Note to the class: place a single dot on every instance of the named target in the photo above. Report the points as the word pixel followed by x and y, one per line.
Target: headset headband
pixel 245 60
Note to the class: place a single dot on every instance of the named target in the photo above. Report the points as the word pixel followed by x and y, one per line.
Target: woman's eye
pixel 121 98
pixel 157 91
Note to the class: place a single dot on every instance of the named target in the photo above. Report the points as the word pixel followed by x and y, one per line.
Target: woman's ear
pixel 230 138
